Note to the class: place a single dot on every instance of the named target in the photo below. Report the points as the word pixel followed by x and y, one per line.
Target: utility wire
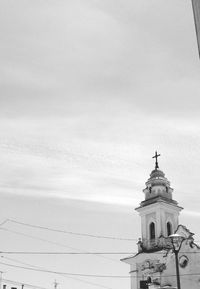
pixel 90 275
pixel 64 276
pixel 69 232
pixel 63 253
pixel 81 253
pixel 22 283
pixel 20 262
pixel 53 243
pixel 37 238
pixel 87 282
pixel 64 273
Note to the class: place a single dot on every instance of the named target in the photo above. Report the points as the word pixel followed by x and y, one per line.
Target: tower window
pixel 144 284
pixel 152 231
pixel 169 228
pixel 149 280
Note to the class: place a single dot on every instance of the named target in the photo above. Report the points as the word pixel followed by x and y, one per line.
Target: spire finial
pixel 156 157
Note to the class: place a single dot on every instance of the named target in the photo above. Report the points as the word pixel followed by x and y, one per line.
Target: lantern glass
pixel 176 240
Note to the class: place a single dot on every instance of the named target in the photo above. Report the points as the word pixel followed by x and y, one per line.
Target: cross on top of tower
pixel 156 157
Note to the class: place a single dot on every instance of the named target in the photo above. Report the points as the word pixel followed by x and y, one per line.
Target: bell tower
pixel 159 212
pixel 153 265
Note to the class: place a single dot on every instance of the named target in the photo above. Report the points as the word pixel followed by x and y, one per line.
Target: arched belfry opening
pixel 152 231
pixel 169 229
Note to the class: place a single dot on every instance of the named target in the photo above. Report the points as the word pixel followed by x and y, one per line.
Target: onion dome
pixel 157 173
pixel 157 177
pixel 157 186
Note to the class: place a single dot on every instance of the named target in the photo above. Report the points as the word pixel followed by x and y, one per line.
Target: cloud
pixel 96 49
pixel 90 90
pixel 192 213
pixel 73 159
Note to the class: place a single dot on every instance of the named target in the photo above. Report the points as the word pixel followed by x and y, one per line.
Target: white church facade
pixel 154 264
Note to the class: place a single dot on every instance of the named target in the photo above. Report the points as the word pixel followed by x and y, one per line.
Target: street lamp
pixel 177 241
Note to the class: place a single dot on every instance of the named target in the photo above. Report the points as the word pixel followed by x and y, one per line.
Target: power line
pixel 81 253
pixel 38 238
pixel 20 262
pixel 87 282
pixel 5 221
pixel 63 273
pixel 53 243
pixel 22 283
pixel 63 253
pixel 70 232
pixel 64 276
pixel 89 275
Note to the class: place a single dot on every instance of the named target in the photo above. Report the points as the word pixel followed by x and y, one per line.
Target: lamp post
pixel 177 241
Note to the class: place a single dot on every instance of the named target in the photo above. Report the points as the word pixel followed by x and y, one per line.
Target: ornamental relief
pixel 149 267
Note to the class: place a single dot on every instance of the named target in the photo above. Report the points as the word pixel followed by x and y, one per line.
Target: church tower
pixel 159 212
pixel 155 265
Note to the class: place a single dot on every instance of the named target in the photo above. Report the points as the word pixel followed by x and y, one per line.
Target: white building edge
pixel 155 262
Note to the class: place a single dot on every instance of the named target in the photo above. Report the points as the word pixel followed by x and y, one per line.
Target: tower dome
pixel 157 174
pixel 157 186
pixel 157 177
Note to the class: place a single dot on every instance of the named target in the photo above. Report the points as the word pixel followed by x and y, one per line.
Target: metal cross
pixel 156 157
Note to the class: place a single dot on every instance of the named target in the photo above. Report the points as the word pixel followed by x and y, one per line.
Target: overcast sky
pixel 89 90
